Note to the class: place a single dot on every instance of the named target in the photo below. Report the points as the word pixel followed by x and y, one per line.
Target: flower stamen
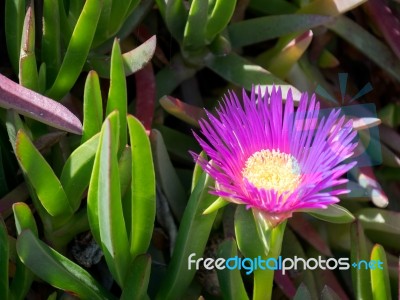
pixel 275 170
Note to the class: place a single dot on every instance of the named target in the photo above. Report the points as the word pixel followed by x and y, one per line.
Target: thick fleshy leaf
pixel 246 233
pixel 23 277
pixel 183 111
pixel 4 256
pixel 253 242
pixel 230 281
pixel 166 175
pixel 217 204
pixel 24 218
pixel 46 184
pixel 379 274
pixel 51 39
pixel 14 21
pixel 266 28
pixel 104 202
pixel 219 18
pixel 194 37
pixel 37 107
pixel 197 172
pixel 143 189
pixel 77 50
pixel 56 269
pixel 333 213
pixel 92 107
pixel 176 17
pixel 360 276
pixel 133 60
pixel 281 59
pixel 369 45
pixel 383 226
pixel 192 238
pixel 137 279
pixel 117 95
pixel 28 73
pixel 117 15
pixel 75 175
pixel 242 72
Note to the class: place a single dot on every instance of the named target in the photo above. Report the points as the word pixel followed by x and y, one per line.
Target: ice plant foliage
pixel 276 160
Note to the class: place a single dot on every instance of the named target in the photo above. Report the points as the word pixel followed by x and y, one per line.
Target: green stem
pixel 263 279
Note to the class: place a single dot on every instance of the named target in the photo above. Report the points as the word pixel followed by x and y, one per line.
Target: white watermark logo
pixel 283 264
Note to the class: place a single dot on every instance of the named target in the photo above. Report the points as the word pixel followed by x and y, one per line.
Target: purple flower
pixel 277 161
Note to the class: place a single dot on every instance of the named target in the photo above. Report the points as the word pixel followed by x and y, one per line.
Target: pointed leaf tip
pixel 37 107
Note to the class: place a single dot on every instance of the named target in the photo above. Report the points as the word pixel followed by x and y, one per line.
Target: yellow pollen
pixel 272 170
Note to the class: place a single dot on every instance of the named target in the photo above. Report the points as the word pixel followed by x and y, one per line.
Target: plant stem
pixel 263 279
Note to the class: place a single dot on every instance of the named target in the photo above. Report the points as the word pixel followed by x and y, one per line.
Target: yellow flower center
pixel 272 170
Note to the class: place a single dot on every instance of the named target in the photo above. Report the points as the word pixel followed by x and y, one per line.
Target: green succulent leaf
pixel 117 95
pixel 217 204
pixel 28 73
pixel 219 18
pixel 78 49
pixel 333 213
pixel 379 274
pixel 137 279
pixel 143 189
pixel 261 29
pixel 40 174
pixel 381 225
pixel 75 175
pixel 133 60
pixel 92 107
pixel 14 21
pixel 23 277
pixel 51 39
pixel 360 276
pixel 242 72
pixel 24 218
pixel 230 281
pixel 176 16
pixel 167 177
pixel 104 202
pixel 57 270
pixel 286 55
pixel 195 30
pixel 183 111
pixel 117 15
pixel 192 238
